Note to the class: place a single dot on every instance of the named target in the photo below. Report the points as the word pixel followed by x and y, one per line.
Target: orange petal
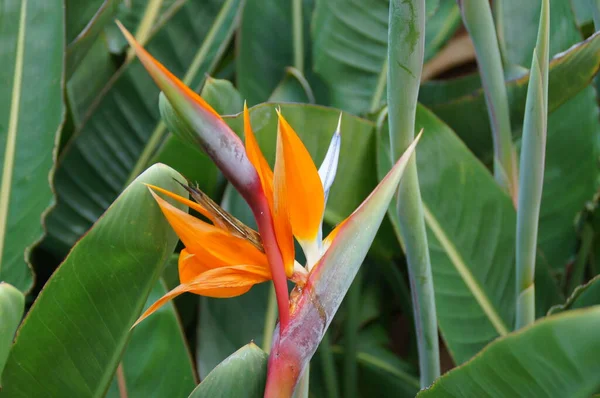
pixel 281 218
pixel 187 202
pixel 304 191
pixel 161 75
pixel 281 224
pixel 219 282
pixel 256 157
pixel 204 239
pixel 190 265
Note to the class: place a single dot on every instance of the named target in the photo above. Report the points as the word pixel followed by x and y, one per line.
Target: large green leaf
pixel 571 161
pixel 12 305
pixel 583 13
pixel 293 88
pixel 31 107
pixel 471 231
pixel 243 374
pixel 262 55
pixel 156 362
pixel 139 16
pixel 382 375
pixel 105 153
pixel 520 26
pixel 81 321
pixel 583 296
pixel 87 81
pixel 556 357
pixel 350 47
pixel 84 22
pixel 226 324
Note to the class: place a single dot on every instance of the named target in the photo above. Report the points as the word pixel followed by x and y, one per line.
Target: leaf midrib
pixel 463 270
pixel 11 139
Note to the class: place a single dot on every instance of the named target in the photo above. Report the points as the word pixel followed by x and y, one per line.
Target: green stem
pixel 352 326
pixel 328 364
pixel 477 17
pixel 577 275
pixel 378 93
pixel 303 384
pixel 270 320
pixel 499 19
pixel 533 152
pixel 405 54
pixel 297 25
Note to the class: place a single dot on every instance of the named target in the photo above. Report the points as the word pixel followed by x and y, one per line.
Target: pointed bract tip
pixel 417 138
pixel 163 78
pixel 338 129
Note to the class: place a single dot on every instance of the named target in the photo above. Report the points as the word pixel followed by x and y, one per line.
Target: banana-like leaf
pixel 583 14
pixel 293 88
pixel 471 240
pixel 12 305
pixel 556 357
pixel 143 18
pixel 350 47
pixel 263 56
pixel 31 106
pixel 110 147
pixel 381 374
pixel 242 374
pixel 86 83
pixel 85 20
pixel 80 323
pixel 520 28
pixel 156 361
pixel 583 296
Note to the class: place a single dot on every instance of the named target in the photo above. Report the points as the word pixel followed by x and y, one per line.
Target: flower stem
pixel 477 17
pixel 405 62
pixel 270 321
pixel 379 88
pixel 264 221
pixel 577 275
pixel 533 153
pixel 298 35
